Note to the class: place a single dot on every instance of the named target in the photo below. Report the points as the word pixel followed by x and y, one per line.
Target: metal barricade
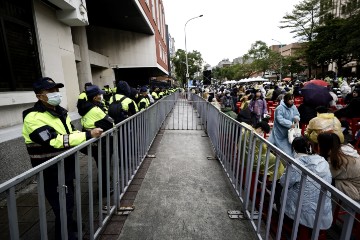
pixel 187 114
pixel 126 146
pixel 240 151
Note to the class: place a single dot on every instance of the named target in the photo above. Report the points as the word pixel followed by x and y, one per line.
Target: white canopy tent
pixel 230 82
pixel 257 79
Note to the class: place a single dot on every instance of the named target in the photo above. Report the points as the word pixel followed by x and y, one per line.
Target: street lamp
pixel 280 58
pixel 186 56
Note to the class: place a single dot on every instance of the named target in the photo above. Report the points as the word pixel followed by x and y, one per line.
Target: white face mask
pixel 54 98
pixel 101 98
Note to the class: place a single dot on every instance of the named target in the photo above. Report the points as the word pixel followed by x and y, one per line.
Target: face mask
pixel 101 98
pixel 54 99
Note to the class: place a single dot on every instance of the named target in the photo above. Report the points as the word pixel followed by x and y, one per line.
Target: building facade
pixel 73 43
pixel 224 63
pixel 340 9
pixel 286 50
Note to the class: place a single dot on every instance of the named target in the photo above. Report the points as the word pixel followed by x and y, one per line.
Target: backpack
pixel 116 110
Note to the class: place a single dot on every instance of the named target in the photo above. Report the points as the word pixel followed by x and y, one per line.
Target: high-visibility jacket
pixel 161 94
pixel 144 103
pixel 83 96
pixel 108 90
pixel 128 104
pixel 96 118
pixel 155 95
pixel 48 133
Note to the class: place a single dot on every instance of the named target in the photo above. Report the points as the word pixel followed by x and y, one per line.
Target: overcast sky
pixel 228 27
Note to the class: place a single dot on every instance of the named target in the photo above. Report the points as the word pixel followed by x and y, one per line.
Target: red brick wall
pixel 158 36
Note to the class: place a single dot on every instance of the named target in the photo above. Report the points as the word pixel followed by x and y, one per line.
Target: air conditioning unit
pixel 64 4
pixel 71 12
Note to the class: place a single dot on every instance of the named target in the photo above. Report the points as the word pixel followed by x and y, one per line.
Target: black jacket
pixel 352 110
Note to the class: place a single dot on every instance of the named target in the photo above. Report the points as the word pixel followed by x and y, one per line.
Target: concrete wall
pixel 103 76
pixel 126 49
pixel 97 59
pixel 57 58
pixel 57 52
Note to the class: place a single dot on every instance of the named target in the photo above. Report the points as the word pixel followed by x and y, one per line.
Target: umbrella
pixel 316 95
pixel 287 79
pixel 317 82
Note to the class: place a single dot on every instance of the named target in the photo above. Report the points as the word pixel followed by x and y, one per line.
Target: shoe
pixel 104 209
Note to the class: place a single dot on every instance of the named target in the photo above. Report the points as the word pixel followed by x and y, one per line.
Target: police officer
pixel 83 93
pixel 154 93
pixel 123 90
pixel 107 95
pixel 95 117
pixel 48 132
pixel 161 94
pixel 144 99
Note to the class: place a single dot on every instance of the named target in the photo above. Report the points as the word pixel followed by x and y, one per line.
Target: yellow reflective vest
pixel 127 104
pixel 96 117
pixel 155 95
pixel 47 133
pixel 144 103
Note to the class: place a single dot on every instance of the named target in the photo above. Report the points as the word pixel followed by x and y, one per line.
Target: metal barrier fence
pixel 241 153
pixel 186 115
pixel 126 147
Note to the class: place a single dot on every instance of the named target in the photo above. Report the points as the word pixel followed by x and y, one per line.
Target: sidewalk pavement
pixel 184 195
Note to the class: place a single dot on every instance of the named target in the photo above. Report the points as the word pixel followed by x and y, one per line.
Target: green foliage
pixel 303 19
pixel 258 59
pixel 293 65
pixel 259 50
pixel 194 62
pixel 338 40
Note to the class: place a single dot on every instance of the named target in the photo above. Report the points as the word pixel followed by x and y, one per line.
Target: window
pixel 160 50
pixel 19 60
pixel 164 26
pixel 157 14
pixel 153 9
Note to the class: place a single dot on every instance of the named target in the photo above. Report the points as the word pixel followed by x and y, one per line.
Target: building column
pixel 83 68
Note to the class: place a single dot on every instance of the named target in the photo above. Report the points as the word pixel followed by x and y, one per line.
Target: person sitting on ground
pixel 344 163
pixel 317 165
pixel 324 122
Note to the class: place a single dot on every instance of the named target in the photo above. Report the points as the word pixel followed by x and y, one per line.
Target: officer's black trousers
pixel 52 195
pixel 95 154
